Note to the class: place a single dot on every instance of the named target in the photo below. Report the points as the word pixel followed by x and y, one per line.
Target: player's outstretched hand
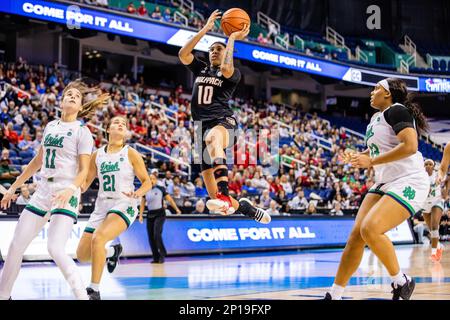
pixel 212 18
pixel 440 177
pixel 347 155
pixel 8 196
pixel 61 199
pixel 241 35
pixel 360 161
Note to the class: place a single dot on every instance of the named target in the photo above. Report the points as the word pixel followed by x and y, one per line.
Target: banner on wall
pixel 75 17
pixel 202 235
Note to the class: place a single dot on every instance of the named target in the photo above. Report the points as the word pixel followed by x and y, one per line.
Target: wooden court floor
pixel 287 275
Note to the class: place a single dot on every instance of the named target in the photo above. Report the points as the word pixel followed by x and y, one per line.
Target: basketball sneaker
pixel 113 261
pixel 327 296
pixel 405 291
pixel 246 207
pixel 222 204
pixel 438 255
pixel 93 295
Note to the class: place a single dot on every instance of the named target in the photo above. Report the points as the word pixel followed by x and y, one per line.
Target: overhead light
pixel 91 56
pixel 95 51
pixel 87 53
pixel 98 55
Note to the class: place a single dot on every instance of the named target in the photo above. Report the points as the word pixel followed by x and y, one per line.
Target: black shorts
pixel 228 123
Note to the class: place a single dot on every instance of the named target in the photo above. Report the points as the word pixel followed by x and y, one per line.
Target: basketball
pixel 234 20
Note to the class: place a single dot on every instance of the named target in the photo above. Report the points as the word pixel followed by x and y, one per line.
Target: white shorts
pixel 430 203
pixel 410 191
pixel 125 208
pixel 41 201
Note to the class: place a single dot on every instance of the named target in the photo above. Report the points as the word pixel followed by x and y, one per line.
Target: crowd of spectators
pixel 311 178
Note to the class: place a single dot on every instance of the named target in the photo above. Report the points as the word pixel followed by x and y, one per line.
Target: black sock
pixel 223 188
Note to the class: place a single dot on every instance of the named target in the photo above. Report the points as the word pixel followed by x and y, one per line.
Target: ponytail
pixel 400 94
pixel 88 108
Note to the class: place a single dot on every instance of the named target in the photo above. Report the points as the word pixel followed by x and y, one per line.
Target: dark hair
pixel 217 42
pixel 400 94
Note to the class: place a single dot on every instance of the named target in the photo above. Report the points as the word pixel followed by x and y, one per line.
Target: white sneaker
pixel 219 206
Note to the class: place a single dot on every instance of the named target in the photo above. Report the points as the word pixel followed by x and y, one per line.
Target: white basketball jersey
pixel 381 138
pixel 115 174
pixel 435 189
pixel 62 143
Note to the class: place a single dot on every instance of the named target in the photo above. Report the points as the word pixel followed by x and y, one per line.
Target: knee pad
pixel 434 233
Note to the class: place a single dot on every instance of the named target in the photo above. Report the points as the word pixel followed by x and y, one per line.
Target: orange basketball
pixel 233 20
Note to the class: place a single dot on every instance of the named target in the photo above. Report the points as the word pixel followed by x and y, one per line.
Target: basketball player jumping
pixel 214 85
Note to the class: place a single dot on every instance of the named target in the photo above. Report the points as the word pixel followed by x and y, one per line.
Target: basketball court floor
pixel 287 275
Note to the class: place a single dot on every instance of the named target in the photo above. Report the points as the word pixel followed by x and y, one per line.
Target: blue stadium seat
pixel 17 127
pixel 435 64
pixel 36 122
pixel 12 153
pixel 26 154
pixel 443 65
pixel 16 160
pixel 26 160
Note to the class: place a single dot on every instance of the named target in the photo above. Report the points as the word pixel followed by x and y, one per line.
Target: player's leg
pixel 27 228
pixel 84 248
pixel 435 220
pixel 385 215
pixel 354 249
pixel 427 218
pixel 157 231
pixel 59 233
pixel 151 237
pixel 110 229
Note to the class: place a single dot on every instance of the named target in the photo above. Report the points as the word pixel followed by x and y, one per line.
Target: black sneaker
pixel 160 260
pixel 405 291
pixel 327 296
pixel 246 207
pixel 113 261
pixel 93 295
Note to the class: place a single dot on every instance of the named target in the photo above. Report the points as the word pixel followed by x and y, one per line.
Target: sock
pixel 400 279
pixel 223 188
pixel 95 286
pixel 110 252
pixel 337 292
pixel 433 251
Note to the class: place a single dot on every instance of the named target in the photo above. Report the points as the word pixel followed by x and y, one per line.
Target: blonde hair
pixel 88 107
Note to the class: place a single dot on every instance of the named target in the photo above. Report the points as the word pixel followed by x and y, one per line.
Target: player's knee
pixel 355 237
pixel 83 255
pixel 367 231
pixel 99 239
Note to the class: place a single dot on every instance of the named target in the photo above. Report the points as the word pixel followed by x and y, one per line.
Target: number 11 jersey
pixel 211 91
pixel 62 143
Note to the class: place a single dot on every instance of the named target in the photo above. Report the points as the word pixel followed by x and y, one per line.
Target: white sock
pixel 109 252
pixel 337 292
pixel 433 251
pixel 95 286
pixel 399 279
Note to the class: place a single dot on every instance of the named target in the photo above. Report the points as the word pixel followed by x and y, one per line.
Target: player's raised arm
pixel 91 174
pixel 227 65
pixel 185 53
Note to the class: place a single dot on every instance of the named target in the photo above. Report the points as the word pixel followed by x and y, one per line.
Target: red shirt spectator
pixel 131 8
pixel 142 10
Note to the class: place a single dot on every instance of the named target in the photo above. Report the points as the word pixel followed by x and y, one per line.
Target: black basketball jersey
pixel 211 91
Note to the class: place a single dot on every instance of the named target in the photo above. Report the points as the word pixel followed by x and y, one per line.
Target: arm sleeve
pixel 85 142
pixel 399 118
pixel 196 66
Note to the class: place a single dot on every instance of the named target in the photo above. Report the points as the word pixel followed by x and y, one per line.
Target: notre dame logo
pixel 130 211
pixel 73 201
pixel 409 193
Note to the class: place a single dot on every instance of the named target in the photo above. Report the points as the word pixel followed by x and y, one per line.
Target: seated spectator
pixel 36 144
pixel 167 16
pixel 311 208
pixel 11 135
pixel 131 8
pixel 284 182
pixel 199 207
pixel 249 189
pixel 262 39
pixel 142 10
pixel 177 197
pixel 282 200
pixel 200 190
pixel 299 202
pixel 5 117
pixel 156 14
pixel 8 173
pixel 337 211
pixel 26 144
pixel 273 208
pixel 25 196
pixel 265 199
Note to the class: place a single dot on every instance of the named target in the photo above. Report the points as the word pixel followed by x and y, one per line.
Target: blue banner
pixel 76 17
pixel 203 235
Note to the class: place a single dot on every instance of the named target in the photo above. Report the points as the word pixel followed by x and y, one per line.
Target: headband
pixel 385 85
